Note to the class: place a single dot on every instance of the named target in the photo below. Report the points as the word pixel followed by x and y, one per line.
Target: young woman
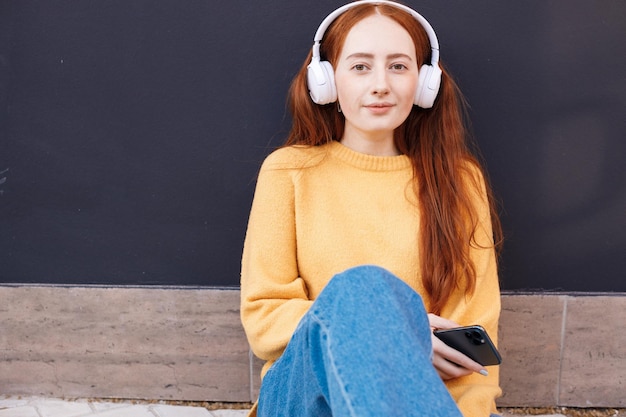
pixel 371 227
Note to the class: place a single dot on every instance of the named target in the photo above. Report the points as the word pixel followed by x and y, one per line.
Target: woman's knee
pixel 368 302
pixel 366 278
pixel 369 284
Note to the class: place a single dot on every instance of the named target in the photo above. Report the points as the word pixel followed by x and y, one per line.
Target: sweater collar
pixel 368 162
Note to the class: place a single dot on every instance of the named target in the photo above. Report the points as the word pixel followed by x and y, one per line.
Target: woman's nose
pixel 380 84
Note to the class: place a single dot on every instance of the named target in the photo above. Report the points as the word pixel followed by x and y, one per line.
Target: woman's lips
pixel 379 108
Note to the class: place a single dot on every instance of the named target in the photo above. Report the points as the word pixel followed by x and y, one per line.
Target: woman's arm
pixel 475 394
pixel 273 296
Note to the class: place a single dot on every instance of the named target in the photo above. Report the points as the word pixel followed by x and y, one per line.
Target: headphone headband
pixel 321 76
pixel 432 37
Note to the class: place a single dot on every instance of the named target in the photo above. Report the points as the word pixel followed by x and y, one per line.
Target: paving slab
pixel 129 411
pixel 51 407
pixel 19 411
pixel 60 408
pixel 178 411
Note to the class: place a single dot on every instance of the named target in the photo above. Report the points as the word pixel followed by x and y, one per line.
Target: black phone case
pixel 472 341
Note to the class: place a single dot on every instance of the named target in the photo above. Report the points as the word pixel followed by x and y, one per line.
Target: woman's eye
pixel 398 67
pixel 360 67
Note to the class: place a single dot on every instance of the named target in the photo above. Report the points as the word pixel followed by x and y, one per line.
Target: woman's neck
pixel 372 144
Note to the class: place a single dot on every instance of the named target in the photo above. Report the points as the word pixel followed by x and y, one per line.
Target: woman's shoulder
pixel 295 157
pixel 473 173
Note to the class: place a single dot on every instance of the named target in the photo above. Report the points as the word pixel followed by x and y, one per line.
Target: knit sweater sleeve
pixel 273 296
pixel 475 394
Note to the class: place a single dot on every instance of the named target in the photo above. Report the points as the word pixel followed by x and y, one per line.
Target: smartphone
pixel 473 342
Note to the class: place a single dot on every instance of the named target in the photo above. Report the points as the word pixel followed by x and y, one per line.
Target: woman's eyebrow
pixel 366 55
pixel 399 55
pixel 360 55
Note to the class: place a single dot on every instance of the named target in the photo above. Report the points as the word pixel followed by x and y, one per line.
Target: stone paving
pixel 45 407
pixel 49 407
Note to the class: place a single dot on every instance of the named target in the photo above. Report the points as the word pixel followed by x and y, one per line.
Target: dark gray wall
pixel 131 132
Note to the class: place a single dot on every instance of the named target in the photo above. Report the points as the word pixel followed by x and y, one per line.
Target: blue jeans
pixel 363 349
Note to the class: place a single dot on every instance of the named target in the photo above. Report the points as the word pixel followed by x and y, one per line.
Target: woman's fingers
pixel 437 322
pixel 450 363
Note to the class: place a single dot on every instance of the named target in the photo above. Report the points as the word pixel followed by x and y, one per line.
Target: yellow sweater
pixel 318 211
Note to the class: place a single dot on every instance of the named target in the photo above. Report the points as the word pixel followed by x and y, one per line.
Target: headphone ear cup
pixel 427 86
pixel 321 82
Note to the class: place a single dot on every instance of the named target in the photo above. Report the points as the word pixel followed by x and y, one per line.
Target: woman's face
pixel 376 77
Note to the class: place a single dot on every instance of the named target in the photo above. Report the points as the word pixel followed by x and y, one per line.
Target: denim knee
pixel 369 282
pixel 368 293
pixel 364 277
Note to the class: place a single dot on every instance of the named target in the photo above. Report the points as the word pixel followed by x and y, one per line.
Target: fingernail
pixel 483 372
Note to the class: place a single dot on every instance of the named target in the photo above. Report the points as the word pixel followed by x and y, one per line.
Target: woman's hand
pixel 449 362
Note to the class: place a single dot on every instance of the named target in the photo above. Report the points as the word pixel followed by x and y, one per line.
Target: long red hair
pixel 435 140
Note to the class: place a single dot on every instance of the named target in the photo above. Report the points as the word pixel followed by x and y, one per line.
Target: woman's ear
pixel 428 85
pixel 321 81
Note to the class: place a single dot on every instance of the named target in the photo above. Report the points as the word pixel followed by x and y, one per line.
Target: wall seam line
pixel 251 374
pixel 561 351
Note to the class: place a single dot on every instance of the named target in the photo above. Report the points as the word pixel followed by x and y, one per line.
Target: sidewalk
pixel 46 407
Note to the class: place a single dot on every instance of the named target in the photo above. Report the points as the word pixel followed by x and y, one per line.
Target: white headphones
pixel 321 76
